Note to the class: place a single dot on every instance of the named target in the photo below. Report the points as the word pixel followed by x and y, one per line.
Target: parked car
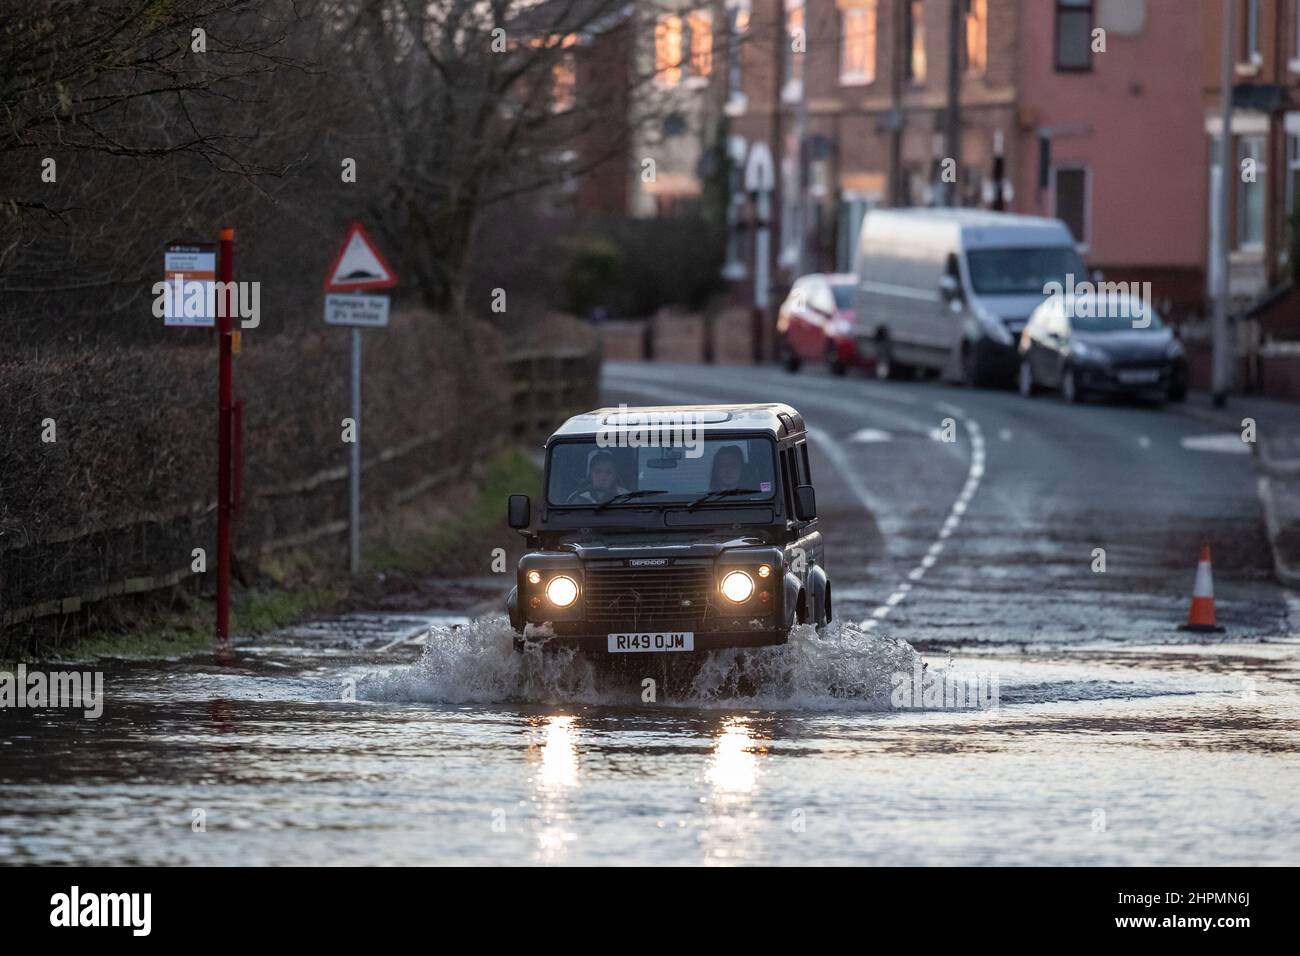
pixel 950 290
pixel 815 324
pixel 660 547
pixel 1116 345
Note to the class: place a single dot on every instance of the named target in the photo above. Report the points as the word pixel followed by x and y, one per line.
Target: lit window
pixel 565 81
pixel 916 41
pixel 977 35
pixel 668 50
pixel 701 26
pixel 858 41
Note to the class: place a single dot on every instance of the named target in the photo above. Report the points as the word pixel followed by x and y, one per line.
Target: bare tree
pixel 118 118
pixel 474 102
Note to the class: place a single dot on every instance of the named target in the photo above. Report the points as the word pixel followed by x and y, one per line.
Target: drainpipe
pixel 1221 355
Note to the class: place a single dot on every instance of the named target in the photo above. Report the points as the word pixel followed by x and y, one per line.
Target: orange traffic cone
pixel 1201 616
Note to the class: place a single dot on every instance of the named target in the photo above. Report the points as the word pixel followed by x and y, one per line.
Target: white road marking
pixel 1228 443
pixel 871 435
pixel 1144 441
pixel 950 524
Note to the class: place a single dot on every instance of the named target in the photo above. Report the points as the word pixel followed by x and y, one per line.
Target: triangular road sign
pixel 359 265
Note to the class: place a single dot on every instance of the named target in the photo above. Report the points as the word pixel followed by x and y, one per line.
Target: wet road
pixel 1114 737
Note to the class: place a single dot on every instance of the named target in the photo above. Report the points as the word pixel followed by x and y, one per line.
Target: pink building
pixel 1111 136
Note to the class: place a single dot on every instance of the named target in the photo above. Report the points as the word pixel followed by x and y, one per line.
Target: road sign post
pixel 358 267
pixel 225 431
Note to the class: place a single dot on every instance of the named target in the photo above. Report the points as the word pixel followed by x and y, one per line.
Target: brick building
pixel 1106 136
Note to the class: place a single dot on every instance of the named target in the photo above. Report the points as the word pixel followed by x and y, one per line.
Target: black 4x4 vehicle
pixel 672 528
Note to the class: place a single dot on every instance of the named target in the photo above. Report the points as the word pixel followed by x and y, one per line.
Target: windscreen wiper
pixel 724 493
pixel 628 496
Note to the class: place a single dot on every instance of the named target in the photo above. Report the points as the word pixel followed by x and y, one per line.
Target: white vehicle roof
pixel 972 228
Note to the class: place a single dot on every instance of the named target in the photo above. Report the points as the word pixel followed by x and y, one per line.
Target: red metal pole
pixel 225 396
pixel 237 495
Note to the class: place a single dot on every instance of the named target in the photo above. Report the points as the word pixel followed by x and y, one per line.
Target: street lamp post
pixel 1221 356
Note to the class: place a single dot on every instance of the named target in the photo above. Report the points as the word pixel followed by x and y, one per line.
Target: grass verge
pixel 446 534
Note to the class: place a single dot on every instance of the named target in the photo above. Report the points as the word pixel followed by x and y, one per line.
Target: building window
pixel 1251 52
pixel 1070 200
pixel 738 26
pixel 857 41
pixel 1295 63
pixel 1251 196
pixel 700 24
pixel 1073 35
pixel 914 41
pixel 1293 179
pixel 796 45
pixel 564 79
pixel 668 50
pixel 977 36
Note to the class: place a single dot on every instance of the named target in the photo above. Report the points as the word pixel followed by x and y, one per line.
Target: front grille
pixel 1140 365
pixel 642 597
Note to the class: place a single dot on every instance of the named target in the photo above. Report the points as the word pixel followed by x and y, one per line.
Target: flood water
pixel 374 741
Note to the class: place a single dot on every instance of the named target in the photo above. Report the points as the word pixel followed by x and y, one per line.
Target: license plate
pixel 1142 377
pixel 650 641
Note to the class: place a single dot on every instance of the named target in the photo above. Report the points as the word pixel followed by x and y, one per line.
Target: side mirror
pixel 949 287
pixel 805 503
pixel 519 512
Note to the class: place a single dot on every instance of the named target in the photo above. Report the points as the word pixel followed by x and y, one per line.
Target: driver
pixel 602 481
pixel 728 468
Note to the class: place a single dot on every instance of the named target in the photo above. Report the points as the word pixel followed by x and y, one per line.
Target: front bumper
pixel 1119 380
pixel 854 352
pixel 997 361
pixel 704 641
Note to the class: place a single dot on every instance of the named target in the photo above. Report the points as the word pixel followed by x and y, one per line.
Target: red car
pixel 815 324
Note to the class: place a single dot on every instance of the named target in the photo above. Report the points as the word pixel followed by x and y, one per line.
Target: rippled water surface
pixel 344 744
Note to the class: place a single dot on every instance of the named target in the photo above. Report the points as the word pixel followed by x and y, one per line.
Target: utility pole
pixel 1221 356
pixel 952 133
pixel 801 157
pixel 225 433
pixel 894 123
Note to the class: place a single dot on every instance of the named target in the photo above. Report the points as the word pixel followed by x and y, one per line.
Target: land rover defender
pixel 671 529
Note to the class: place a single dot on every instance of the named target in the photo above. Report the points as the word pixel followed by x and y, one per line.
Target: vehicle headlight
pixel 561 590
pixel 993 325
pixel 737 587
pixel 1089 353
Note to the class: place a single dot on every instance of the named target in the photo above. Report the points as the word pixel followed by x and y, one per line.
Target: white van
pixel 949 290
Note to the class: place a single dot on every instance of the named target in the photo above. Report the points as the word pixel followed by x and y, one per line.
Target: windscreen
pixel 1022 271
pixel 1116 321
pixel 585 473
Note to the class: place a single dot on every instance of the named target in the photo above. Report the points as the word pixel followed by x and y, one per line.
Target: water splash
pixel 843 669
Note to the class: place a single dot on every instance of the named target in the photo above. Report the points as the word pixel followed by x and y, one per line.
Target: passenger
pixel 602 481
pixel 728 468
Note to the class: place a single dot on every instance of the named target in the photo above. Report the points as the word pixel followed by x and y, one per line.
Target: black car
pixel 672 529
pixel 1126 349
